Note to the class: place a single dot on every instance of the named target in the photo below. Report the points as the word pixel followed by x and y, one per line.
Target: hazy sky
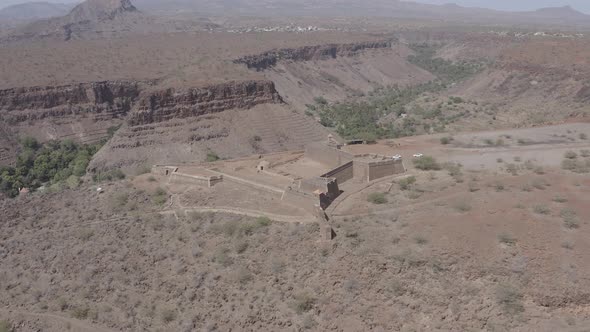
pixel 582 5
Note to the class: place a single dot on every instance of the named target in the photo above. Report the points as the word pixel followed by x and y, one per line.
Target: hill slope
pixel 34 10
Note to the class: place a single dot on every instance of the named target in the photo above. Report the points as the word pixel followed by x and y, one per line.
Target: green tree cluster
pixel 53 162
pixel 362 119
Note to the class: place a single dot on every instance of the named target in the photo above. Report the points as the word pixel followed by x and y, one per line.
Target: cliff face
pixel 320 52
pixel 36 103
pixel 170 104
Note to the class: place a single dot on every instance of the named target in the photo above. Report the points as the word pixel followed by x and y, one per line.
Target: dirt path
pixel 65 322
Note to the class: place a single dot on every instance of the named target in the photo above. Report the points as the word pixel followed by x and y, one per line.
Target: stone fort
pixel 312 193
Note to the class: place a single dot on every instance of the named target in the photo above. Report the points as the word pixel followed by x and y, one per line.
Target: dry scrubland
pixel 504 252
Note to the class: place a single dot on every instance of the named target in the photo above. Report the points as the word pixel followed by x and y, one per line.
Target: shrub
pixel 263 221
pixel 160 196
pixel 559 199
pixel 512 169
pixel 499 186
pixel 510 299
pixel 539 184
pixel 570 219
pixel 377 198
pixel 151 179
pixel 462 206
pixel 426 163
pixel 111 175
pixel 414 194
pixel 73 182
pixel 5 326
pixel 506 239
pixel 570 155
pixel 446 140
pixel 120 200
pixel 406 183
pixel 221 257
pixel 241 247
pixel 212 156
pixel 585 153
pixel 303 303
pixel 420 240
pixel 243 276
pixel 583 136
pixel 541 209
pixel 576 166
pixel 80 313
pixel 168 315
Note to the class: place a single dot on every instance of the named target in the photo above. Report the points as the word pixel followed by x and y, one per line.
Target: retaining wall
pixel 341 173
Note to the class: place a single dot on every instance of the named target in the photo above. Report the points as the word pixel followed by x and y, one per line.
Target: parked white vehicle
pixel 418 155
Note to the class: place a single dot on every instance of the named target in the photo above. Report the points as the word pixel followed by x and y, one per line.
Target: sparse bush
pixel 541 209
pixel 263 221
pixel 506 239
pixel 420 240
pixel 111 175
pixel 212 157
pixel 539 170
pixel 510 298
pixel 539 184
pixel 5 326
pixel 446 140
pixel 567 245
pixel 86 234
pixel 414 194
pixel 570 218
pixel 559 199
pixel 168 315
pixel 151 179
pixel 512 169
pixel 241 247
pixel 499 186
pixel 473 187
pixel 583 136
pixel 377 198
pixel 243 276
pixel 570 155
pixel 80 313
pixel 406 183
pixel 576 166
pixel 585 153
pixel 160 196
pixel 120 200
pixel 303 303
pixel 462 206
pixel 499 160
pixel 426 163
pixel 221 257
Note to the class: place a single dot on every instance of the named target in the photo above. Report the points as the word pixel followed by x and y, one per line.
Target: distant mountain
pixel 34 11
pixel 100 10
pixel 378 8
pixel 100 19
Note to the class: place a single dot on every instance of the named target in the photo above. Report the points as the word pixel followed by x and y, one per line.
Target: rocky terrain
pixel 493 237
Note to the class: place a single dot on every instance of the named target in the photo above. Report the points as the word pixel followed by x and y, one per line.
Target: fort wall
pixel 204 181
pixel 325 154
pixel 341 173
